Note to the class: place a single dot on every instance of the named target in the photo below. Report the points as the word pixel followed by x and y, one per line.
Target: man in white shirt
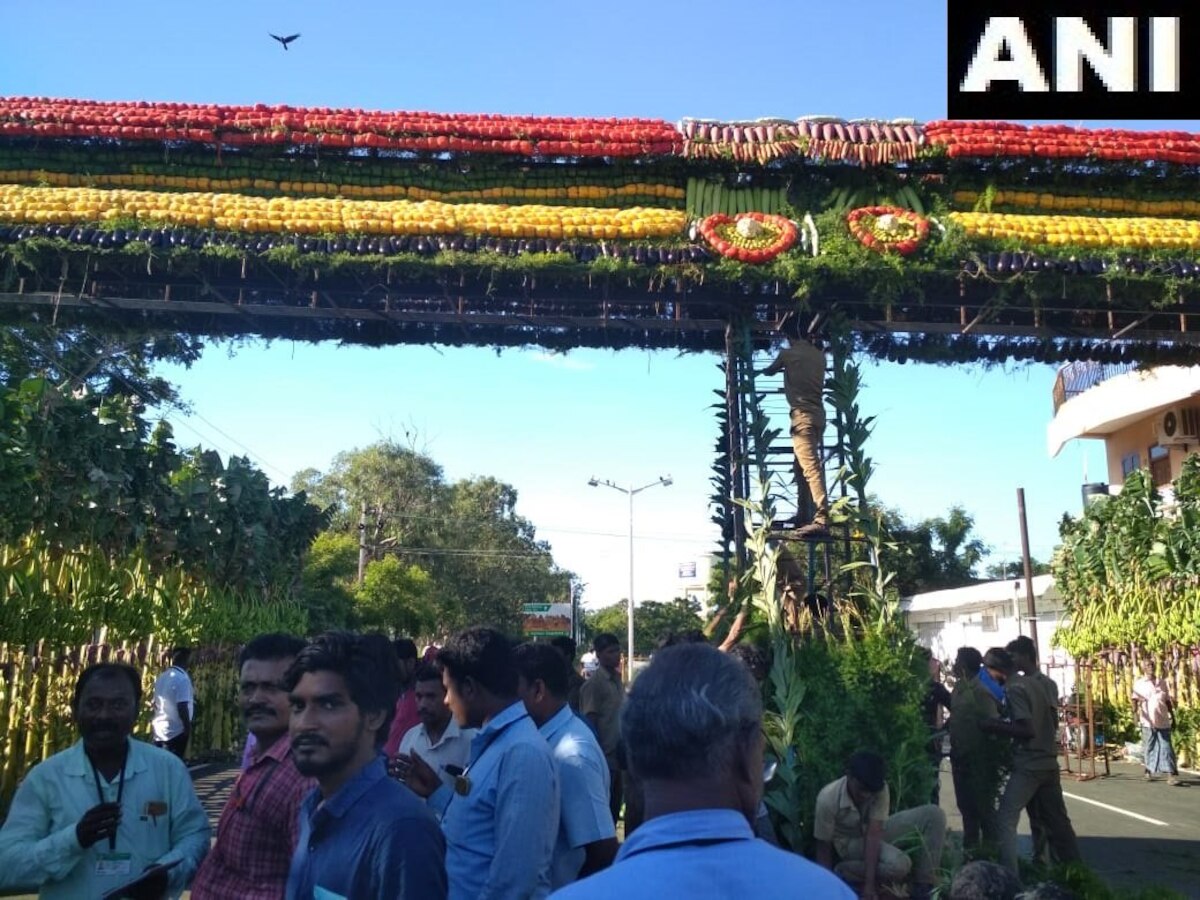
pixel 174 705
pixel 438 740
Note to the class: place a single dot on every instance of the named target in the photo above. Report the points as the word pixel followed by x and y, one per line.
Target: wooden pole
pixel 1030 607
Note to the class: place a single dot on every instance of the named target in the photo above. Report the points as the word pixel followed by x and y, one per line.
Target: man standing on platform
pixel 260 824
pixel 600 701
pixel 802 363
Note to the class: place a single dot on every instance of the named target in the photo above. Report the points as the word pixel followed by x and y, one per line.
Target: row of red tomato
pixel 436 144
pixel 991 139
pixel 941 127
pixel 71 113
pixel 1073 149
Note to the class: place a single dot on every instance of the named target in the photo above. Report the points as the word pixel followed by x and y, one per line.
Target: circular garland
pixel 888 229
pixel 751 237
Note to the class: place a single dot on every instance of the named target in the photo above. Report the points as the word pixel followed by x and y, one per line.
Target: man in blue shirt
pixel 692 727
pixel 587 839
pixel 361 834
pixel 501 816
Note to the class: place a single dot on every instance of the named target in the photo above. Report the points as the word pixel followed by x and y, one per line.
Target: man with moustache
pixel 501 817
pixel 361 833
pixel 93 817
pixel 260 824
pixel 438 739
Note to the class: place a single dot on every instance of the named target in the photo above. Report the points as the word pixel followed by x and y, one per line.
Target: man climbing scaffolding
pixel 802 363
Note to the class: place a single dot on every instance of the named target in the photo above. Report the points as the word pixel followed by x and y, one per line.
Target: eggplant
pixel 1005 262
pixel 363 246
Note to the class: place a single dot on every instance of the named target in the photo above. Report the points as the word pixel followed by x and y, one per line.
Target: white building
pixel 989 614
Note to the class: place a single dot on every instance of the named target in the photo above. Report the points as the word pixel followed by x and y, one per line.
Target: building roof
pixel 986 593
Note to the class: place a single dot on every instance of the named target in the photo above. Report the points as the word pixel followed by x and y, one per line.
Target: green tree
pixel 652 621
pixel 1014 568
pixel 396 598
pixel 327 581
pixel 483 559
pixel 931 555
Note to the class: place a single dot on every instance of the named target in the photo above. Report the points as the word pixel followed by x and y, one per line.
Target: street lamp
pixel 665 481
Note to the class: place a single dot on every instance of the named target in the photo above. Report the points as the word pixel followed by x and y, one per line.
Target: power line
pixel 178 408
pixel 62 367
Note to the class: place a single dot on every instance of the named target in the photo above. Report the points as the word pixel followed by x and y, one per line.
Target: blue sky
pixel 547 423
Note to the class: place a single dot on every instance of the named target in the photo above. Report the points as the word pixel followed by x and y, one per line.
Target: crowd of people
pixel 488 769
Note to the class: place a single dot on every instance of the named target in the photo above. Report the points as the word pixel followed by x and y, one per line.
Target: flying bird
pixel 285 40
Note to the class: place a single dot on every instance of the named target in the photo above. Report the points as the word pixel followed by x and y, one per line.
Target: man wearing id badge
pixel 97 815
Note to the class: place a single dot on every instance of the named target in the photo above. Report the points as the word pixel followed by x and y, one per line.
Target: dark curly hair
pixel 485 655
pixel 366 662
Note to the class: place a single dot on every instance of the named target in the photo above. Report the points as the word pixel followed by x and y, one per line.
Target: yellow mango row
pixel 324 189
pixel 1030 199
pixel 238 212
pixel 1083 231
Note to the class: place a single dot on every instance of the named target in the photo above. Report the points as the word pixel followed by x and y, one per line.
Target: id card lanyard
pixel 112 838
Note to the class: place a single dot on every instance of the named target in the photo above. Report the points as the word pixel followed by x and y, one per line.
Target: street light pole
pixel 665 481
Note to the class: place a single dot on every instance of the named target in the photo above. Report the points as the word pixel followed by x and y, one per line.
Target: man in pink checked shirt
pixel 260 823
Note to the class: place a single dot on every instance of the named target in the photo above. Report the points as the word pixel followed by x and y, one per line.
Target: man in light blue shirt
pixel 361 834
pixel 587 839
pixel 96 815
pixel 692 727
pixel 501 817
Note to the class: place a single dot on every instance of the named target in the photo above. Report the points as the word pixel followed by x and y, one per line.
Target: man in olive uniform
pixel 975 757
pixel 1033 705
pixel 802 363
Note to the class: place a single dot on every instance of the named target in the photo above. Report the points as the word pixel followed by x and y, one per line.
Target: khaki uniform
pixel 975 759
pixel 842 823
pixel 600 700
pixel 803 367
pixel 1035 779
